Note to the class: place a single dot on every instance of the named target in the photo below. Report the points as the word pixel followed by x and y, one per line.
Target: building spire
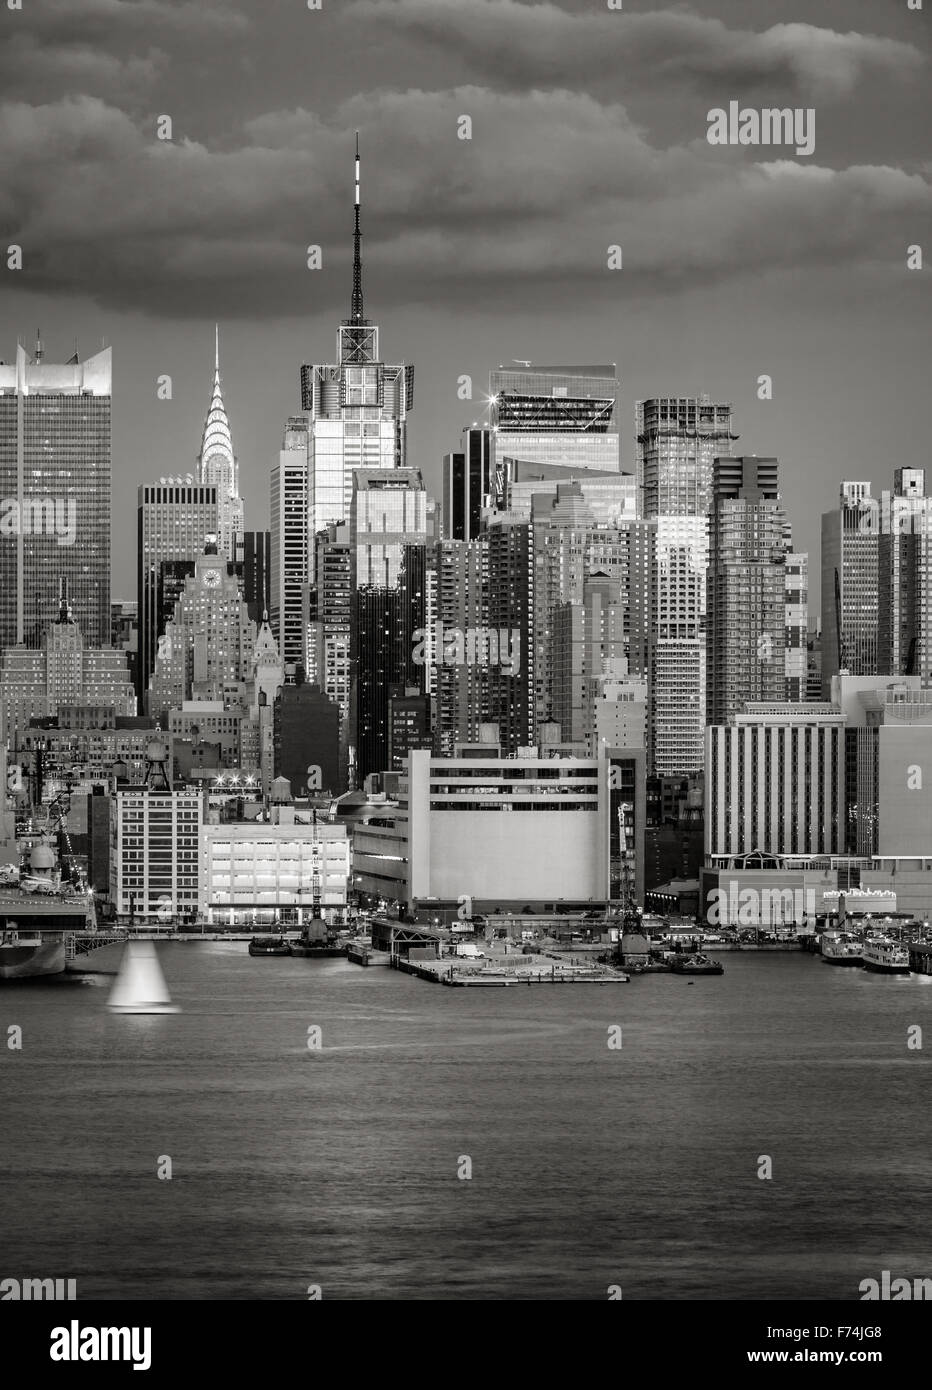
pixel 216 461
pixel 356 314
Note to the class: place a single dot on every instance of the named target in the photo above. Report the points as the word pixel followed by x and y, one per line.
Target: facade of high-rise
pixel 746 587
pixel 207 650
pixel 330 630
pixel 589 642
pixel 217 465
pixel 904 562
pixel 678 438
pixel 291 553
pixel 391 522
pixel 307 740
pixel 252 557
pixel 775 781
pixel 576 534
pixel 850 585
pixel 562 415
pixel 466 483
pixel 155 846
pixel 55 476
pixel 176 518
pixel 796 625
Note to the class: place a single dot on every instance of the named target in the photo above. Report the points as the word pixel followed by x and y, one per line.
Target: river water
pixel 591 1166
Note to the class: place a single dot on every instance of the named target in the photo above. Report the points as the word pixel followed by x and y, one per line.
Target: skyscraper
pixel 561 415
pixel 466 483
pixel 746 620
pixel 357 407
pixel 216 464
pixel 678 438
pixel 850 585
pixel 291 544
pixel 391 522
pixel 55 468
pixel 175 519
pixel 904 559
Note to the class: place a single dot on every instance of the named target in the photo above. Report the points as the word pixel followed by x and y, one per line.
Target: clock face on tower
pixel 210 578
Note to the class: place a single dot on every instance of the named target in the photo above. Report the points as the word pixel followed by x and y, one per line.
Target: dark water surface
pixel 590 1167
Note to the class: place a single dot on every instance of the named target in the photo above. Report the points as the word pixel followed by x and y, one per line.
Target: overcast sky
pixel 588 129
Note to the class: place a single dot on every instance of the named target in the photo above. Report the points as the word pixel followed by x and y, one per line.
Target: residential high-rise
pixel 330 632
pixel 562 415
pixel 578 534
pixel 217 467
pixel 466 483
pixel 850 585
pixel 55 473
pixel 904 559
pixel 391 520
pixel 291 548
pixel 176 517
pixel 796 625
pixel 678 438
pixel 746 602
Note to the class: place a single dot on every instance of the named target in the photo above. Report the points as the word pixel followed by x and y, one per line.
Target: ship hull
pixel 879 969
pixel 298 948
pixel 843 960
pixel 25 960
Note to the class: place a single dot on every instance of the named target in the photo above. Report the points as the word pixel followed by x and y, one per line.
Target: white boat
pixel 886 957
pixel 140 986
pixel 839 950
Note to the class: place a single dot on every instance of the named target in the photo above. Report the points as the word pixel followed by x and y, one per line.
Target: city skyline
pixel 737 263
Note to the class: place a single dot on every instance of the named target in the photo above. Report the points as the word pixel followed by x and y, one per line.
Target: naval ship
pixel 37 911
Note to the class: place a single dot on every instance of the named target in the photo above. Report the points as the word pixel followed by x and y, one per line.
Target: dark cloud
pixel 517 44
pixel 548 182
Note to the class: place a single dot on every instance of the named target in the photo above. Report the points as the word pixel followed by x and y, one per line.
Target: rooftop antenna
pixel 40 350
pixel 356 311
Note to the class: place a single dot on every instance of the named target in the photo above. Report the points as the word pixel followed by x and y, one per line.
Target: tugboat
pixel 269 946
pixel 886 957
pixel 697 964
pixel 317 940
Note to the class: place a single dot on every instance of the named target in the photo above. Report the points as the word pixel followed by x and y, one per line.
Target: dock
pixel 501 973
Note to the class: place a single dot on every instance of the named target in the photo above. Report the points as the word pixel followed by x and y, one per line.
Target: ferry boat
pixel 886 957
pixel 841 950
pixel 697 964
pixel 269 946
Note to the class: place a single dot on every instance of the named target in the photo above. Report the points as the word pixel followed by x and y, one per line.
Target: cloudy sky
pixel 588 129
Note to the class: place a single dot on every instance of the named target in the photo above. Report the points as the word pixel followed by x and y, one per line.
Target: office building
pixel 176 518
pixel 55 475
pixel 282 873
pixel 155 853
pixel 307 740
pixel 253 564
pixel 746 590
pixel 561 415
pixel 466 482
pixel 796 626
pixel 291 552
pixel 37 683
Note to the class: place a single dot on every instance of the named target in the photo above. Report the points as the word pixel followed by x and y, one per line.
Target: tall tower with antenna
pixel 354 415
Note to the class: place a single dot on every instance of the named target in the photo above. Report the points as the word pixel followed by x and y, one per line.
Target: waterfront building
pixel 775 781
pixel 447 838
pixel 746 587
pixel 55 477
pixel 155 853
pixel 282 872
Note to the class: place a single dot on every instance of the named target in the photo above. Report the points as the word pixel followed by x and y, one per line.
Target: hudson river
pixel 591 1167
